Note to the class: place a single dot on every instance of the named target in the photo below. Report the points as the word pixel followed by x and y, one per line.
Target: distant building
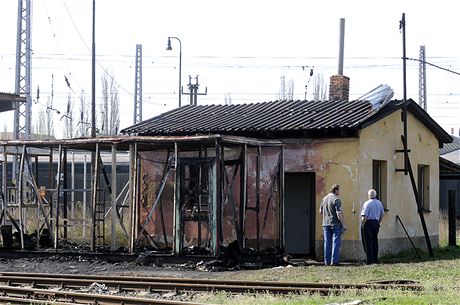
pixel 450 174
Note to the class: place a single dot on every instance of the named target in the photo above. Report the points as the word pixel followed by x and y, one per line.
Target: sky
pixel 237 48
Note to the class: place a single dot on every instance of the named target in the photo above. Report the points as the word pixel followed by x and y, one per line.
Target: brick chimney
pixel 340 84
pixel 339 88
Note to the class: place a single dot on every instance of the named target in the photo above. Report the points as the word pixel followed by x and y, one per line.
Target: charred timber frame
pixel 243 191
pixel 280 227
pixel 114 198
pixel 94 197
pixel 58 191
pixel 217 203
pixel 133 195
pixel 52 207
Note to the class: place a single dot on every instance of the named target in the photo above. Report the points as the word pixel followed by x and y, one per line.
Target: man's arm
pixel 341 218
pixel 382 213
pixel 363 219
pixel 363 214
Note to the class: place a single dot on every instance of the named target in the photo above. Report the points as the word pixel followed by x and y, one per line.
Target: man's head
pixel 372 194
pixel 335 189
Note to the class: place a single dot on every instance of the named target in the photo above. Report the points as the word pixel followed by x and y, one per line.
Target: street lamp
pixel 169 48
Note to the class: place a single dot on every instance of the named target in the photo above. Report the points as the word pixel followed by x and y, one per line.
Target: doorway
pixel 194 205
pixel 299 213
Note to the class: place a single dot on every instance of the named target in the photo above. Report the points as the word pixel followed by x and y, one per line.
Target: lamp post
pixel 169 48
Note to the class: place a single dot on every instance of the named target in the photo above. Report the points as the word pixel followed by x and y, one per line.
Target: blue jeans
pixel 332 239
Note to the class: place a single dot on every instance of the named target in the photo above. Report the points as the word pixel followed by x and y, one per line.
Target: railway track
pixel 163 284
pixel 23 295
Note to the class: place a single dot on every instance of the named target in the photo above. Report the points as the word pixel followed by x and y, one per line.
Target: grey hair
pixel 372 193
pixel 334 188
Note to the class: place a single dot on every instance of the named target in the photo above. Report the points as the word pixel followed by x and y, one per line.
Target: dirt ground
pixel 55 263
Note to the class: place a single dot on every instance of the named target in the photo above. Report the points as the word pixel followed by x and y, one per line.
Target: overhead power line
pixel 436 66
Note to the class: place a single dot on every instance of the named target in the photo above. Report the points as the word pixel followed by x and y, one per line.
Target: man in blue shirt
pixel 372 215
pixel 333 225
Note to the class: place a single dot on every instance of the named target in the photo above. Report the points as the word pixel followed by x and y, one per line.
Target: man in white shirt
pixel 372 215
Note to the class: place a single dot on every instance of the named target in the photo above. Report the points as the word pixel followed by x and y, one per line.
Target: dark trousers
pixel 371 246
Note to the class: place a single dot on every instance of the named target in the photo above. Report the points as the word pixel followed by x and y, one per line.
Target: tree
pixel 290 90
pixel 45 125
pixel 84 124
pixel 4 135
pixel 320 88
pixel 228 99
pixel 110 107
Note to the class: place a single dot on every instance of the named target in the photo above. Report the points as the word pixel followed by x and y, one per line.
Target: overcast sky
pixel 241 48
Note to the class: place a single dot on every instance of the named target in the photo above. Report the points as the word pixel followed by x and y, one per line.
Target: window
pixel 424 186
pixel 379 180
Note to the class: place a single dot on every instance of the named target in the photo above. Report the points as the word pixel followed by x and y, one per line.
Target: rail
pixel 161 284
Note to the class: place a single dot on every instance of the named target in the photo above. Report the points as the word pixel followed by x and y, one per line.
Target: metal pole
pixel 404 107
pixel 180 64
pixel 93 76
pixel 408 236
pixel 341 47
pixel 180 72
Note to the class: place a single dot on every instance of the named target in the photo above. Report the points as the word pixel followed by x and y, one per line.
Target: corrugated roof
pixel 279 119
pixel 258 117
pixel 450 147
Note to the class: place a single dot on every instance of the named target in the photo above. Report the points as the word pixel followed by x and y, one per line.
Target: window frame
pixel 423 186
pixel 380 180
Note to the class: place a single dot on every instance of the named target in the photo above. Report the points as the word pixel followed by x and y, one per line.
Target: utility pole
pixel 23 77
pixel 138 86
pixel 93 75
pixel 23 71
pixel 407 165
pixel 193 91
pixel 422 79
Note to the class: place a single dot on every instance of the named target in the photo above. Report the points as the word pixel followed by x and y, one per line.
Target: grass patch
pixel 439 276
pixel 441 253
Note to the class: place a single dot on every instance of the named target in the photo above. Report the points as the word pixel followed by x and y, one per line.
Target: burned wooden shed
pixel 357 144
pixel 190 194
pixel 209 180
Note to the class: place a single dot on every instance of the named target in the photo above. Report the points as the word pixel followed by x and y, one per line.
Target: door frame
pixel 312 207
